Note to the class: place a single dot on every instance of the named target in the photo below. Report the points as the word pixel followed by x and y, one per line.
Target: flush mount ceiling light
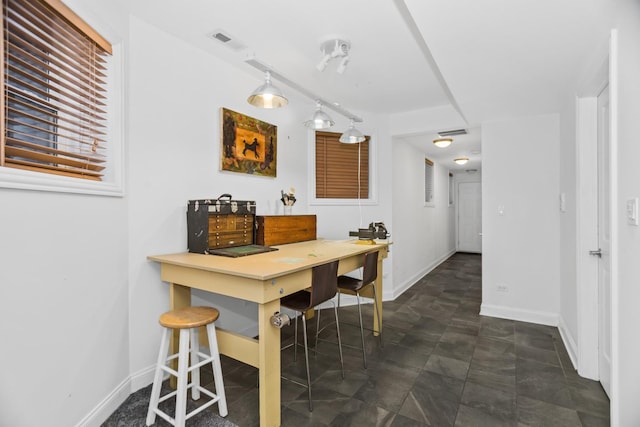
pixel 442 142
pixel 352 135
pixel 320 119
pixel 331 49
pixel 461 160
pixel 267 95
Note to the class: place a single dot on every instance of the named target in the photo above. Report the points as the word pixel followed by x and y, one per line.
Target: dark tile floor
pixel 442 365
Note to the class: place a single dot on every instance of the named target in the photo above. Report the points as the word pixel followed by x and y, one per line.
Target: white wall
pixel 626 295
pixel 64 316
pixel 520 219
pixel 423 236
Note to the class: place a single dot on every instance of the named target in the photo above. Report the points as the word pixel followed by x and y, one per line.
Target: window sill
pixel 27 180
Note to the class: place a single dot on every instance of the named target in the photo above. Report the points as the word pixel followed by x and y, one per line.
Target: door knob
pixel 597 252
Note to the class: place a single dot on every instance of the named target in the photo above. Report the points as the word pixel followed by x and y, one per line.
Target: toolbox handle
pixel 225 195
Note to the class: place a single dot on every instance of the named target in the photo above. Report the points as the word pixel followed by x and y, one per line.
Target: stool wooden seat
pixel 187 320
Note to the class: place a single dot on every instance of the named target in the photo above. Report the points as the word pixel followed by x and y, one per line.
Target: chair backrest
pixel 370 271
pixel 324 282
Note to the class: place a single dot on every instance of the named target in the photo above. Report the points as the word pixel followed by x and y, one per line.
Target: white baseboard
pixel 109 404
pixel 390 295
pixel 531 316
pixel 569 342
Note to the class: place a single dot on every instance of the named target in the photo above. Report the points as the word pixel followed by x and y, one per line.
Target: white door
pixel 470 217
pixel 604 242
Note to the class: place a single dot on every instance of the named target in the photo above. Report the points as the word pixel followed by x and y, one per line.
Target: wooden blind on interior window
pixel 54 88
pixel 342 170
pixel 428 180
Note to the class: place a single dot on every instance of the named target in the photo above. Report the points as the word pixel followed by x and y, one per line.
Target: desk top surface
pixel 287 259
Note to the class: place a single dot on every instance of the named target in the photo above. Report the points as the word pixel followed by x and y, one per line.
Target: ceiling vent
pixel 226 39
pixel 454 132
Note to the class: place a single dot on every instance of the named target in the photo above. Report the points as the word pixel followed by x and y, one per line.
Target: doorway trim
pixel 586 216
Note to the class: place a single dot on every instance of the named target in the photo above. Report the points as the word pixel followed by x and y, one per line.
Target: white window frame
pixel 113 179
pixel 373 177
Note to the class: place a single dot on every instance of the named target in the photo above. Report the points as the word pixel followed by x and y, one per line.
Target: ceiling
pixel 488 59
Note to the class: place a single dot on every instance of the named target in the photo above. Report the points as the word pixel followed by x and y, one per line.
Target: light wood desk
pixel 263 279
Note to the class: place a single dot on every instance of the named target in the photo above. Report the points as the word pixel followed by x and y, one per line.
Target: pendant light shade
pixel 267 95
pixel 352 135
pixel 320 119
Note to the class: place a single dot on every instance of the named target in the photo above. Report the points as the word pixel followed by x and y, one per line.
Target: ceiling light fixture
pixel 267 95
pixel 259 65
pixel 336 48
pixel 320 119
pixel 352 135
pixel 442 142
pixel 461 160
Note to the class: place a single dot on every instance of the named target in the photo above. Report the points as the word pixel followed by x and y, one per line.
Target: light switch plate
pixel 632 211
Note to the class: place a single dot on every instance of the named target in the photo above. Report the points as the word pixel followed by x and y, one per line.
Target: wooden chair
pixel 187 320
pixel 355 286
pixel 323 288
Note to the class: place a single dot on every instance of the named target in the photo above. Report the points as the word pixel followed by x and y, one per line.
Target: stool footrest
pixel 213 399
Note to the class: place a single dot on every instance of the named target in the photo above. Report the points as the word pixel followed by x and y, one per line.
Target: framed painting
pixel 248 144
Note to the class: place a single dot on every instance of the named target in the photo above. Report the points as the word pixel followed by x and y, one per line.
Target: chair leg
pixel 295 340
pixel 364 349
pixel 317 329
pixel 335 309
pixel 306 357
pixel 375 305
pixel 195 374
pixel 157 379
pixel 183 366
pixel 217 370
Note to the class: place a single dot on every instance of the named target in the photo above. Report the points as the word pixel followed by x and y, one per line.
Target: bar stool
pixel 187 320
pixel 324 280
pixel 355 286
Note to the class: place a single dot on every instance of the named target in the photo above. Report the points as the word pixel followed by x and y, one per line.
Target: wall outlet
pixel 502 288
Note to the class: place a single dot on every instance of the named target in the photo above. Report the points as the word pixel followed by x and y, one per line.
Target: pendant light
pixel 352 135
pixel 320 119
pixel 267 95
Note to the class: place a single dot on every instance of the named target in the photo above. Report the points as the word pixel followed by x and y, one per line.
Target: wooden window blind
pixel 54 72
pixel 342 170
pixel 428 181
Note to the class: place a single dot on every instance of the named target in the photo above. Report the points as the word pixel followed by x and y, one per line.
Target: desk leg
pixel 378 286
pixel 269 371
pixel 179 296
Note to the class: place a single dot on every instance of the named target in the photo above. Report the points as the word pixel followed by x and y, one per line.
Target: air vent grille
pixel 222 37
pixel 226 39
pixel 454 132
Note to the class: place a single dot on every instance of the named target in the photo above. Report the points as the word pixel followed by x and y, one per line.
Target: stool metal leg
pixel 217 370
pixel 335 309
pixel 375 304
pixel 364 349
pixel 157 378
pixel 306 358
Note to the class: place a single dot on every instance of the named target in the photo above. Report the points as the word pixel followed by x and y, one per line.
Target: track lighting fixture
pixel 320 119
pixel 352 135
pixel 331 49
pixel 267 95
